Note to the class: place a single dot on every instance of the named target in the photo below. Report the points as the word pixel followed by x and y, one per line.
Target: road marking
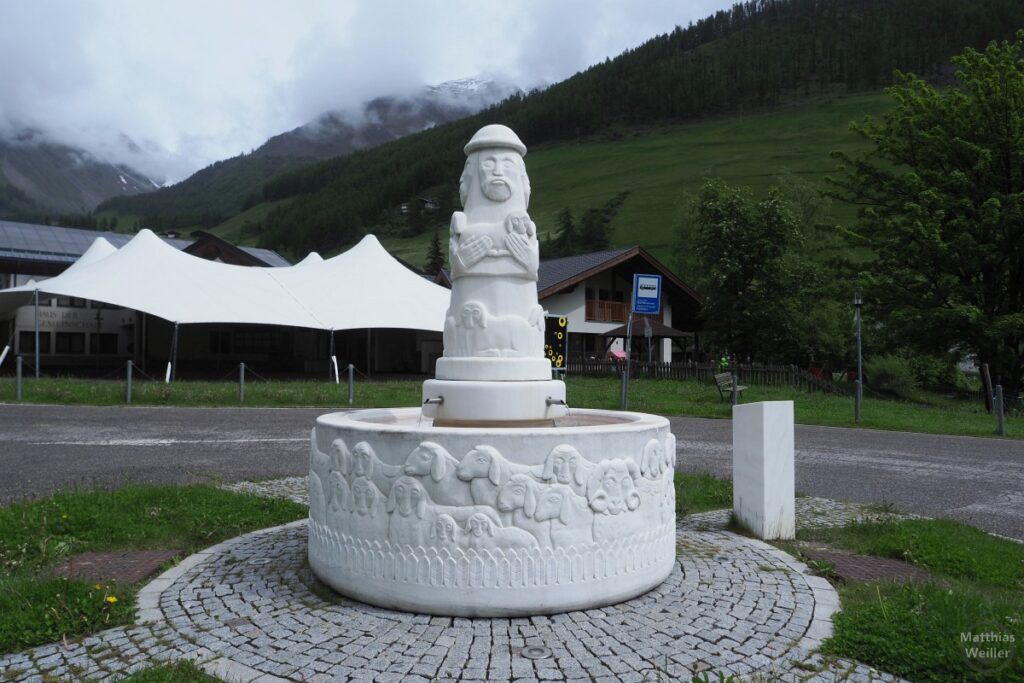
pixel 157 442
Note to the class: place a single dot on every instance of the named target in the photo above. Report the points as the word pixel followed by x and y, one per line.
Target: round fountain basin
pixel 491 521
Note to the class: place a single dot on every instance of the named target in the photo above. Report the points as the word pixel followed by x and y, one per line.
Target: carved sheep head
pixel 362 459
pixel 428 458
pixel 479 525
pixel 407 497
pixel 518 492
pixel 554 502
pixel 653 460
pixel 341 459
pixel 364 497
pixel 482 461
pixel 340 494
pixel 445 528
pixel 563 465
pixel 473 314
pixel 612 487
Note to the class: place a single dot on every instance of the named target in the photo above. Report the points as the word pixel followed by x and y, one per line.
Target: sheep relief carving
pixel 473 331
pixel 484 503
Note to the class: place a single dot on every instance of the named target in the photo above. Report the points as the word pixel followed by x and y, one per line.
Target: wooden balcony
pixel 602 311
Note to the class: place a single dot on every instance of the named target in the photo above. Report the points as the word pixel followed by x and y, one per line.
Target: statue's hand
pixel 520 248
pixel 474 248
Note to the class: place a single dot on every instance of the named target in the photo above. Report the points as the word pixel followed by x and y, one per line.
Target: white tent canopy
pixel 362 287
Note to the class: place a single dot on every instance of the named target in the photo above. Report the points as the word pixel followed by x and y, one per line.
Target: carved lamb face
pixel 364 496
pixel 407 497
pixel 473 315
pixel 339 490
pixel 445 528
pixel 553 503
pixel 517 493
pixel 480 525
pixel 362 459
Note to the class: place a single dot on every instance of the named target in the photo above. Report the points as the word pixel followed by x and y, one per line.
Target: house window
pixel 70 342
pixel 27 342
pixel 70 302
pixel 103 343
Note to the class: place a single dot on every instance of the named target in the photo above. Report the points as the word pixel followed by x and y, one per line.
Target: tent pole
pixel 334 363
pixel 172 366
pixel 369 370
pixel 37 333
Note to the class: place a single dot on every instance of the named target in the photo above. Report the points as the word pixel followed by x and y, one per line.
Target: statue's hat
pixel 495 135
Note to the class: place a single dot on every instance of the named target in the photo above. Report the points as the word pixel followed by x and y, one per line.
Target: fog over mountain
pixel 168 88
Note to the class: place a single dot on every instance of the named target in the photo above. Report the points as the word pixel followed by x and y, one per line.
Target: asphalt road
pixel 42 448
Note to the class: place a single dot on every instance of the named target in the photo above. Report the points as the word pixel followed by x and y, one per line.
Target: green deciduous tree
pixel 942 193
pixel 766 298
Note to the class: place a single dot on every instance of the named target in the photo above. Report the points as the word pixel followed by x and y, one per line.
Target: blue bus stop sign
pixel 646 293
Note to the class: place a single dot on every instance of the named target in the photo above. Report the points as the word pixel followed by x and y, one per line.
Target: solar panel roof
pixel 55 244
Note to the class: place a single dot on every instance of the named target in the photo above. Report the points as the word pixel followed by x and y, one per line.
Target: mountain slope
pixel 227 187
pixel 757 57
pixel 38 177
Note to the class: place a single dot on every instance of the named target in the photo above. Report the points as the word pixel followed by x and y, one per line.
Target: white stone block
pixel 763 478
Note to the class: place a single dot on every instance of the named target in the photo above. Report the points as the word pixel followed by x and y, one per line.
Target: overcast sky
pixel 194 81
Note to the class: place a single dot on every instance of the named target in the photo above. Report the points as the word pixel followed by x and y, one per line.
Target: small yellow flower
pixel 98 587
pixel 64 516
pixel 111 599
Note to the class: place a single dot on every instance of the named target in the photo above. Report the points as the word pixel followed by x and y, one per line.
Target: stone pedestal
pixel 762 469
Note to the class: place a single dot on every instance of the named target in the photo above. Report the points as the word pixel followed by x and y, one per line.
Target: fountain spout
pixel 434 401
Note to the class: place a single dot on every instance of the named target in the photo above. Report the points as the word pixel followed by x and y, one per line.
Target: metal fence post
pixel 858 398
pixel 351 382
pixel 241 382
pixel 128 391
pixel 624 391
pixel 18 365
pixel 735 394
pixel 1000 411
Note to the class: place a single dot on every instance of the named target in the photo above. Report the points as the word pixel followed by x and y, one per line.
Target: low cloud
pixel 170 87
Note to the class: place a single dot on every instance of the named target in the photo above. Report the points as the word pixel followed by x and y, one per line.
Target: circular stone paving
pixel 730 605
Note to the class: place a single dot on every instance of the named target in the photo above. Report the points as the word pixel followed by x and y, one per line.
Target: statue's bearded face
pixel 499 174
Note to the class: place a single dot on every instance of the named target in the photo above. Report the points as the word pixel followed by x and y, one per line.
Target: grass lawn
pixel 37 608
pixel 178 672
pixel 915 629
pixel 665 397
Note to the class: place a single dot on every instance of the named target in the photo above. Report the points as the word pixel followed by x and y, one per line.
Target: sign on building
pixel 556 337
pixel 646 293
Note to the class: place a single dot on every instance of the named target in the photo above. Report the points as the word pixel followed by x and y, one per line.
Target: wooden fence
pixel 755 375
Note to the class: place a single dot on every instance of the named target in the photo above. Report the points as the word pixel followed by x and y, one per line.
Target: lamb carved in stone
pixel 572 520
pixel 413 512
pixel 341 458
pixel 653 461
pixel 565 465
pixel 518 498
pixel 484 335
pixel 370 517
pixel 340 508
pixel 483 534
pixel 365 463
pixel 439 472
pixel 447 533
pixel 486 470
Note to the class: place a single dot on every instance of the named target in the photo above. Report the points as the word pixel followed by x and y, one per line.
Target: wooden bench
pixel 723 381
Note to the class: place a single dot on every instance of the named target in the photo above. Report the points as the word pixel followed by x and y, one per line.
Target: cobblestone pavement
pixel 249 609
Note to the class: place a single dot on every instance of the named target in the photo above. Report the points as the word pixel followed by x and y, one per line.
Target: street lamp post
pixel 858 302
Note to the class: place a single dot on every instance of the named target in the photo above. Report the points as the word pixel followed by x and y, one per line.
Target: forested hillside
pixel 756 56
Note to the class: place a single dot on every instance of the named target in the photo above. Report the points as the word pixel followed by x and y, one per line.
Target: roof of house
pixel 554 275
pixel 55 244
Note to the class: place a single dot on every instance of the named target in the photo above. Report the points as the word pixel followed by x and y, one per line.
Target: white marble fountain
pixel 492 499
